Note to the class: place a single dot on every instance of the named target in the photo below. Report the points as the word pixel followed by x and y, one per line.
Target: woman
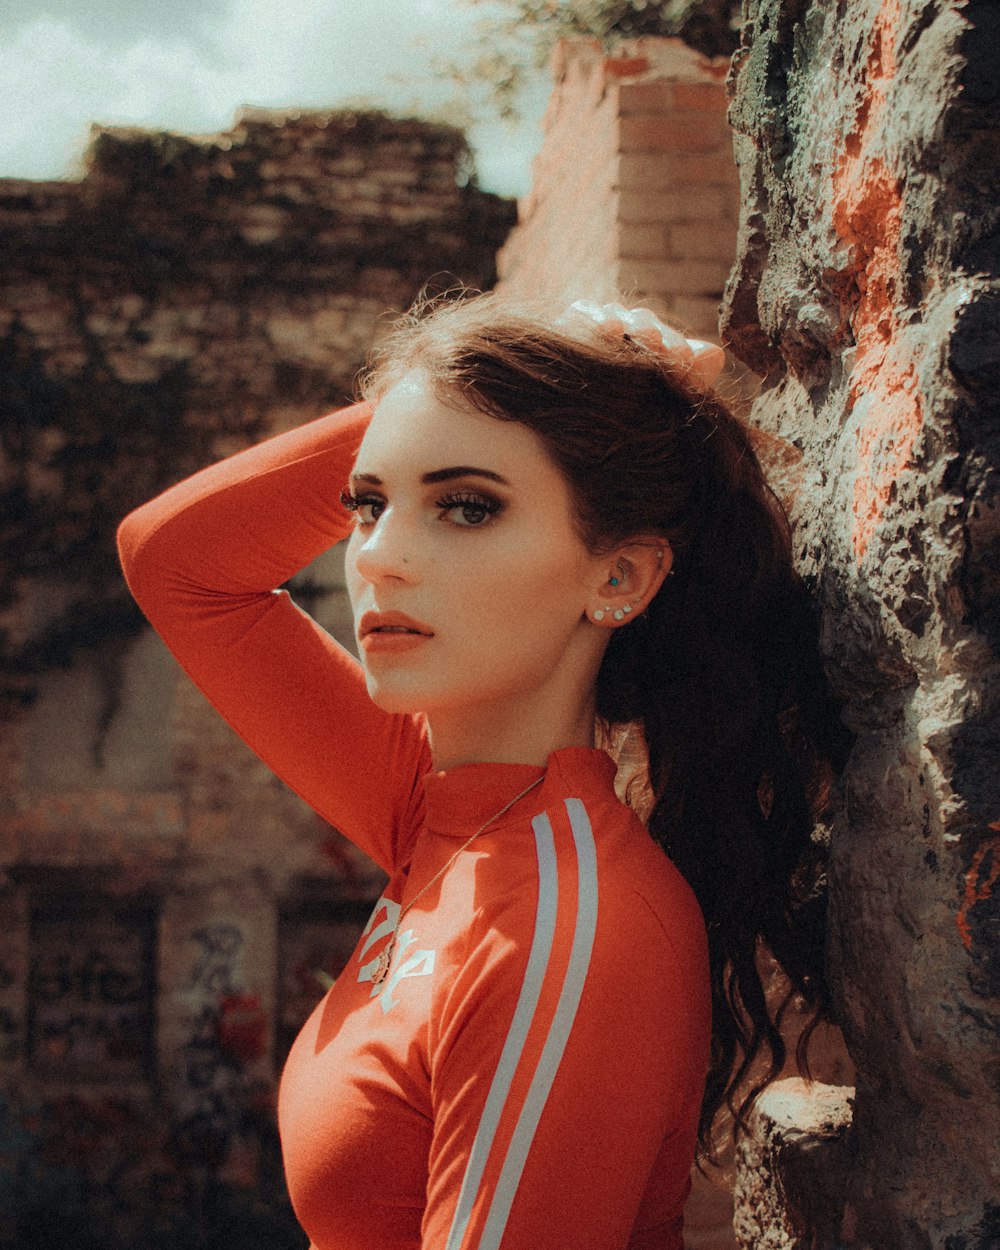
pixel 553 525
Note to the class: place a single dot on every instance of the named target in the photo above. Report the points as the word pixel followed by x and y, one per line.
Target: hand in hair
pixel 702 361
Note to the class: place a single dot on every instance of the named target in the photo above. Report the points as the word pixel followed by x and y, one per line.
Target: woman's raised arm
pixel 203 561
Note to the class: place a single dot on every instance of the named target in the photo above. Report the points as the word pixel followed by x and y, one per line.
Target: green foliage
pixel 520 35
pixel 709 25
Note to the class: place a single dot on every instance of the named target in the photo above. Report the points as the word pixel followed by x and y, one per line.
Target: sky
pixel 188 65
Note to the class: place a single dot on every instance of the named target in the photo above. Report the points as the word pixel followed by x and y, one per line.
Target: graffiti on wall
pixel 214 1092
pixel 90 990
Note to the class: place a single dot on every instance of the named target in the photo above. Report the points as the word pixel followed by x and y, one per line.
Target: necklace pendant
pixel 383 962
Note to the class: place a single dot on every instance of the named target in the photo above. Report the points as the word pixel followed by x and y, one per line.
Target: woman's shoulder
pixel 599 852
pixel 643 889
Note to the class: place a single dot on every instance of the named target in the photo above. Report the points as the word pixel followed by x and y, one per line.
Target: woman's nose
pixel 386 550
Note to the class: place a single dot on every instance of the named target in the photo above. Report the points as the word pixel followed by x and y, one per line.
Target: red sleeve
pixel 567 1077
pixel 203 560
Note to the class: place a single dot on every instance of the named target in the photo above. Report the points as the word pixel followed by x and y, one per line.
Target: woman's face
pixel 466 575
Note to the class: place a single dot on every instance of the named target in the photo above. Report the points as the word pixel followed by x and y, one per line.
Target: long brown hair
pixel 721 674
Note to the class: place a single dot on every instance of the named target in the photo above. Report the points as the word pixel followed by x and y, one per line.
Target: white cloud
pixel 56 78
pixel 54 82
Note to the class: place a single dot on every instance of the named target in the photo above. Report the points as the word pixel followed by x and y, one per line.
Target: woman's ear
pixel 631 576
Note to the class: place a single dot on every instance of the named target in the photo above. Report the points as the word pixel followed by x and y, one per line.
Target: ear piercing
pixel 659 561
pixel 619 614
pixel 615 580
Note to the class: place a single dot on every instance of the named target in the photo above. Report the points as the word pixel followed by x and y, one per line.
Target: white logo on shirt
pixel 419 963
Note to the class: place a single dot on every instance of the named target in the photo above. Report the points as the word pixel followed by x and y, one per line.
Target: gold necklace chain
pixel 382 964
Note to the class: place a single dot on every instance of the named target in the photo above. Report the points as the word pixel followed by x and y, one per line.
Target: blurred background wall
pixel 169 910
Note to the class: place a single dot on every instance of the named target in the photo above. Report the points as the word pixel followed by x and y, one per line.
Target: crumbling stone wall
pixel 866 292
pixel 190 293
pixel 169 910
pixel 258 258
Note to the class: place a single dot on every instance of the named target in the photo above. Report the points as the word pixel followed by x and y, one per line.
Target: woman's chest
pixel 355 1105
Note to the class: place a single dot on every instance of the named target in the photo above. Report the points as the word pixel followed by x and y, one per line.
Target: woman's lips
pixel 391 631
pixel 389 641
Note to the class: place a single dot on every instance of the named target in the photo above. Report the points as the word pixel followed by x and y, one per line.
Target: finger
pixel 708 362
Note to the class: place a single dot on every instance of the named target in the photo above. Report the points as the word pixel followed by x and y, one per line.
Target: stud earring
pixel 601 613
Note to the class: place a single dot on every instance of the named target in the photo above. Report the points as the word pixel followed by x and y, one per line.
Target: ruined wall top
pixel 300 157
pixel 358 193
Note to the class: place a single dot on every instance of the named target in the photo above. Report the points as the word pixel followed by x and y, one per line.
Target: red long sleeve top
pixel 529 1073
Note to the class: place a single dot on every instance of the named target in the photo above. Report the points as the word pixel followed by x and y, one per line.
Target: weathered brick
pixel 713 169
pixel 676 132
pixel 648 98
pixel 659 277
pixel 697 315
pixel 709 97
pixel 653 171
pixel 707 242
pixel 643 241
pixel 645 204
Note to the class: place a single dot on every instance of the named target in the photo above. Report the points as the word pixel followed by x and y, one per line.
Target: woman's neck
pixel 526 734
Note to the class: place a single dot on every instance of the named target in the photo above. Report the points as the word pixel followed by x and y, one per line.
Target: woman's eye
pixel 469 510
pixel 367 508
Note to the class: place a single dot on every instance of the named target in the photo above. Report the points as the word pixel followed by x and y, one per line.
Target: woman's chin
pixel 393 697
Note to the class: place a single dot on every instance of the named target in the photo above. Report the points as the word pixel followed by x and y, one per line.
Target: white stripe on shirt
pixel 555 1043
pixel 510 1056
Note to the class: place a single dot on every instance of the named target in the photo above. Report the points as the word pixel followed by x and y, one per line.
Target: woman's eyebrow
pixel 438 475
pixel 462 470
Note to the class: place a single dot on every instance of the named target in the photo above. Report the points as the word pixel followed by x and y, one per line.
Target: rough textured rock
pixel 791 1168
pixel 867 291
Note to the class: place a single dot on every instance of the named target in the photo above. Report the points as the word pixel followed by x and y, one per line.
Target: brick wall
pixel 635 187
